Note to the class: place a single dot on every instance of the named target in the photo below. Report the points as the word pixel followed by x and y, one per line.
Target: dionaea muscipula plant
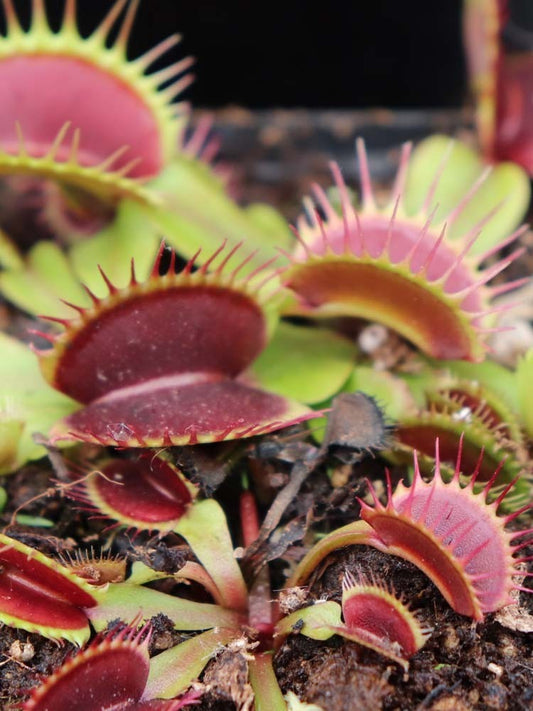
pixel 382 264
pixel 93 128
pixel 158 363
pixel 110 674
pixel 453 534
pixel 88 117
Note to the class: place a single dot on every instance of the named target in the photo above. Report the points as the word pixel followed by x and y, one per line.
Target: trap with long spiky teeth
pixel 158 363
pixel 384 265
pixel 451 532
pixel 88 117
pixel 453 535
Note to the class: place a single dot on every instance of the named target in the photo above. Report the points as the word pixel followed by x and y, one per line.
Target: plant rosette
pixel 234 620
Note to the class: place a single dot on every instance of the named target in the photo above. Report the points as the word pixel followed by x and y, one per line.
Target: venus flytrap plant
pixel 160 359
pixel 241 619
pixel 92 172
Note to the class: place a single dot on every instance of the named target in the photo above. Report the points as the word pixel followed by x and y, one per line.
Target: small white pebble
pixel 508 346
pixel 21 651
pixel 463 415
pixel 372 337
pixel 496 669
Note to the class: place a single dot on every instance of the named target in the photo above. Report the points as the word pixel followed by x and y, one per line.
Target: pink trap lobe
pixel 42 92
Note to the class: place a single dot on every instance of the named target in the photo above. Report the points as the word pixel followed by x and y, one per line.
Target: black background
pixel 327 54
